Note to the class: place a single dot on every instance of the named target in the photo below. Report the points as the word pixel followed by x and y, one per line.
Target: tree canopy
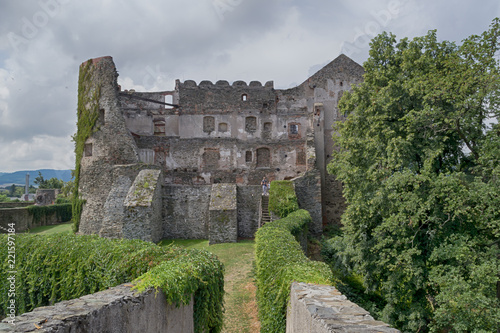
pixel 419 158
pixel 48 183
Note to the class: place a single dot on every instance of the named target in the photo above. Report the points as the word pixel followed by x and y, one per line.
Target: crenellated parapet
pixel 223 97
pixel 223 84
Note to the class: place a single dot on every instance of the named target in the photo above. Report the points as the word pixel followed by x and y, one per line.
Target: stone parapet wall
pixel 323 309
pixel 116 310
pixel 23 220
pixel 15 204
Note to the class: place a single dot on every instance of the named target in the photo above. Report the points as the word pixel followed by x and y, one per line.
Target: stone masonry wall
pixel 248 210
pixel 322 309
pixel 308 192
pixel 223 225
pixel 110 144
pixel 185 211
pixel 143 207
pixel 116 310
pixel 23 220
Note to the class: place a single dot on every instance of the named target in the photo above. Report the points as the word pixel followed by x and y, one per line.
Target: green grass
pixel 239 301
pixel 52 229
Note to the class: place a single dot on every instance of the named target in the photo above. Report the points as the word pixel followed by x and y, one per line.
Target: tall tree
pixel 48 183
pixel 419 157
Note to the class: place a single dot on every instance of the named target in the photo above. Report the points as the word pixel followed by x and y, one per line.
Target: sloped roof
pixel 338 67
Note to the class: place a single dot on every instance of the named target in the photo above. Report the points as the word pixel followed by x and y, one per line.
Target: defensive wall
pixel 25 220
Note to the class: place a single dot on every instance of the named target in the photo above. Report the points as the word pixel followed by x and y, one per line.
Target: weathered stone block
pixel 223 226
pixel 185 211
pixel 323 309
pixel 143 205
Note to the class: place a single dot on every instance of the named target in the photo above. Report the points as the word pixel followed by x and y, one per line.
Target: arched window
pixel 244 97
pixel 222 127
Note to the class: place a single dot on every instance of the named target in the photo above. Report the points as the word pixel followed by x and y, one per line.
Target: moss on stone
pixel 88 114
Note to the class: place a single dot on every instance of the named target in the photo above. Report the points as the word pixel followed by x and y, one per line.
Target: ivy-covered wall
pixel 49 273
pixel 102 143
pixel 26 218
pixel 279 262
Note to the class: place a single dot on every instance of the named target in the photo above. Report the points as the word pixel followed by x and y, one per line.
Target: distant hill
pixel 19 177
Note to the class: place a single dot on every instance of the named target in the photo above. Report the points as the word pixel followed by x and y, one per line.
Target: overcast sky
pixel 154 42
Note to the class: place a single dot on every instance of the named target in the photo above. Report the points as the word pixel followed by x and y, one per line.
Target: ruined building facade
pixel 187 163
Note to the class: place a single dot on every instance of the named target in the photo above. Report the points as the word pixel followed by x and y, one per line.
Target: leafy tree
pixel 419 156
pixel 4 198
pixel 12 190
pixel 50 183
pixel 39 180
pixel 19 191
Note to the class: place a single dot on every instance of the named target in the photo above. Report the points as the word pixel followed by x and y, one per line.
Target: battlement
pixel 222 84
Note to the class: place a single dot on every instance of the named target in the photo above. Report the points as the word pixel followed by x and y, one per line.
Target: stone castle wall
pixel 116 310
pixel 23 220
pixel 209 133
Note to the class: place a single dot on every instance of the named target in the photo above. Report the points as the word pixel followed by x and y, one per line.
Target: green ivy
pixel 59 267
pixel 282 198
pixel 279 262
pixel 87 115
pixel 39 213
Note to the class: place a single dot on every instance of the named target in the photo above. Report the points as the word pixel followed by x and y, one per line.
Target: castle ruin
pixel 187 163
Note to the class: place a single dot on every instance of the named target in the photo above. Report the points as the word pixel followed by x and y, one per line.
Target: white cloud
pixel 37 153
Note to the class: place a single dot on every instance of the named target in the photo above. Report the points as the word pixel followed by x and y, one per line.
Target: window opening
pixel 208 124
pixel 248 156
pixel 250 124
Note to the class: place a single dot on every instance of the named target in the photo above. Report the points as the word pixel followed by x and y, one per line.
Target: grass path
pixel 239 300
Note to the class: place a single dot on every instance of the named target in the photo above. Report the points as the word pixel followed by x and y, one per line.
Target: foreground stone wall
pixel 116 310
pixel 323 309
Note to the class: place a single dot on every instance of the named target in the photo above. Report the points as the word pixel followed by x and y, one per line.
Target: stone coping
pixel 328 310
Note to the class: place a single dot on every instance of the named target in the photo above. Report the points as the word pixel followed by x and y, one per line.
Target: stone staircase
pixel 265 217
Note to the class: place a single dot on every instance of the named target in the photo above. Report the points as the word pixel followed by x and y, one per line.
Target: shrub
pixel 63 211
pixel 279 262
pixel 62 200
pixel 61 267
pixel 348 282
pixel 282 198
